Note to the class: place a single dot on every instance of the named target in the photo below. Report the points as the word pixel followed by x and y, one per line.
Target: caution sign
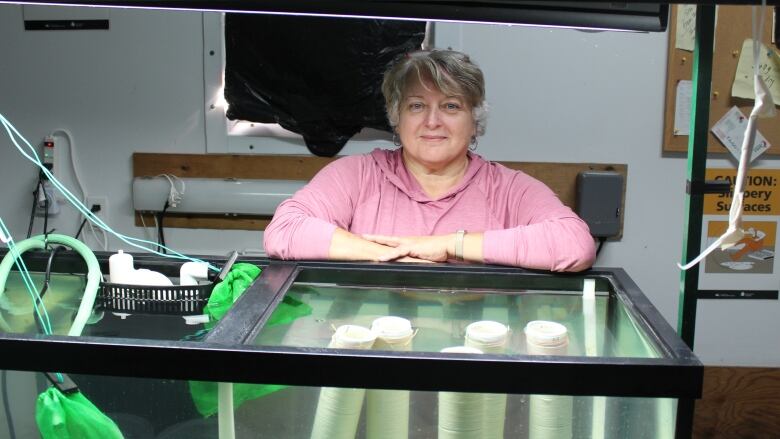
pixel 754 253
pixel 761 192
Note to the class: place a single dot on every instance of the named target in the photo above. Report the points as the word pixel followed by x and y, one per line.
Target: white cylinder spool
pixel 491 338
pixel 120 267
pixel 550 416
pixel 338 410
pixel 387 411
pixel 546 338
pixel 461 415
pixel 392 333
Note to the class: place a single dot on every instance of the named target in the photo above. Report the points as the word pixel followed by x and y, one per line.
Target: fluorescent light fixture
pixel 214 195
pixel 38 17
pixel 244 128
pixel 634 16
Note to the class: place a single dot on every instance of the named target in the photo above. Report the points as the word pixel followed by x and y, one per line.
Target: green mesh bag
pixel 72 416
pixel 225 293
pixel 204 394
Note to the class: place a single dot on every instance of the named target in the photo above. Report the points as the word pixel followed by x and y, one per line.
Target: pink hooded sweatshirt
pixel 524 223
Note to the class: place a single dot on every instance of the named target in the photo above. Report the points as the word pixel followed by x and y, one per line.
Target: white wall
pixel 137 87
pixel 555 95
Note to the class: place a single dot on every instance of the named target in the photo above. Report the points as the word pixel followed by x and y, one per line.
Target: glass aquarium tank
pixel 353 350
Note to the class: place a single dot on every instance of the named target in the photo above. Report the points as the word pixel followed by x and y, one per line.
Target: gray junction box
pixel 599 196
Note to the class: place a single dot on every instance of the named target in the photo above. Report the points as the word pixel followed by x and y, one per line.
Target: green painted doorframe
pixel 697 164
pixel 694 198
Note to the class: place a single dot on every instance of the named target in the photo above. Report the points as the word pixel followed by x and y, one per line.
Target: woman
pixel 432 199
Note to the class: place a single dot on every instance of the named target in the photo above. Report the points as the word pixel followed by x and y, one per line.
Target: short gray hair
pixel 452 72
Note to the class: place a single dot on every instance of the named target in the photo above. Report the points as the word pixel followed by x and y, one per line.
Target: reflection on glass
pixel 62 300
pixel 164 409
pixel 440 317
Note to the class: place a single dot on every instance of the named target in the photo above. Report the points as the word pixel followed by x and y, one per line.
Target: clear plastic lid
pixel 545 333
pixel 487 331
pixel 392 327
pixel 353 337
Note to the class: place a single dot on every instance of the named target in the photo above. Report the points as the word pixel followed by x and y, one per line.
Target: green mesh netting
pixel 204 394
pixel 223 295
pixel 72 416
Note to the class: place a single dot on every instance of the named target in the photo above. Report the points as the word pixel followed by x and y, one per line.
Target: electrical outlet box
pixel 599 200
pixel 102 202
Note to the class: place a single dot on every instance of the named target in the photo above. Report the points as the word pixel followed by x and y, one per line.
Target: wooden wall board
pixel 738 402
pixel 560 177
pixel 732 28
pixel 272 167
pixel 220 222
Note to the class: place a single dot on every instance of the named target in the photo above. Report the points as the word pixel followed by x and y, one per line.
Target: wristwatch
pixel 459 235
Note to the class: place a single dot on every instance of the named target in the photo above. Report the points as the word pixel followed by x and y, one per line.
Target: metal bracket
pixel 707 187
pixel 65 385
pixel 228 265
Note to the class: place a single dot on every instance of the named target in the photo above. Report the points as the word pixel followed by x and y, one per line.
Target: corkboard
pixel 733 26
pixel 560 177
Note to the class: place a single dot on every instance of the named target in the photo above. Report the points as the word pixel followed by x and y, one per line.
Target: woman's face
pixel 435 129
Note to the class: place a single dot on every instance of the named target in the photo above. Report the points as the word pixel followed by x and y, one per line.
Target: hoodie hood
pixel 391 164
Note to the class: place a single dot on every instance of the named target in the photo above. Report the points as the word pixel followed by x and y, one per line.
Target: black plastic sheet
pixel 318 77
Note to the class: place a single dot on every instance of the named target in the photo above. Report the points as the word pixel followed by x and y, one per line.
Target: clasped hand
pixel 414 248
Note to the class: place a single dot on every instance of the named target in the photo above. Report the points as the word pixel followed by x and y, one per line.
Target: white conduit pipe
pixel 550 416
pixel 599 403
pixel 461 414
pixel 387 411
pixel 338 410
pixel 227 428
pixel 491 338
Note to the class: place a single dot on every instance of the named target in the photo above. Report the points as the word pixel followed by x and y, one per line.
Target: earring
pixel 396 140
pixel 474 143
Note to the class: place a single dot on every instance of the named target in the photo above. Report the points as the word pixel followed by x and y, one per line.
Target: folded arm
pixel 542 234
pixel 313 223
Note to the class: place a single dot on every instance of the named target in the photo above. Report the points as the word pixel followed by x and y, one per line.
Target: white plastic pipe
pixel 387 411
pixel 122 271
pixel 461 415
pixel 550 416
pixel 338 410
pixel 599 403
pixel 491 338
pixel 191 273
pixel 227 428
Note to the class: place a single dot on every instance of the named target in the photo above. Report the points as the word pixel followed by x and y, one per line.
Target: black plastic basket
pixel 177 300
